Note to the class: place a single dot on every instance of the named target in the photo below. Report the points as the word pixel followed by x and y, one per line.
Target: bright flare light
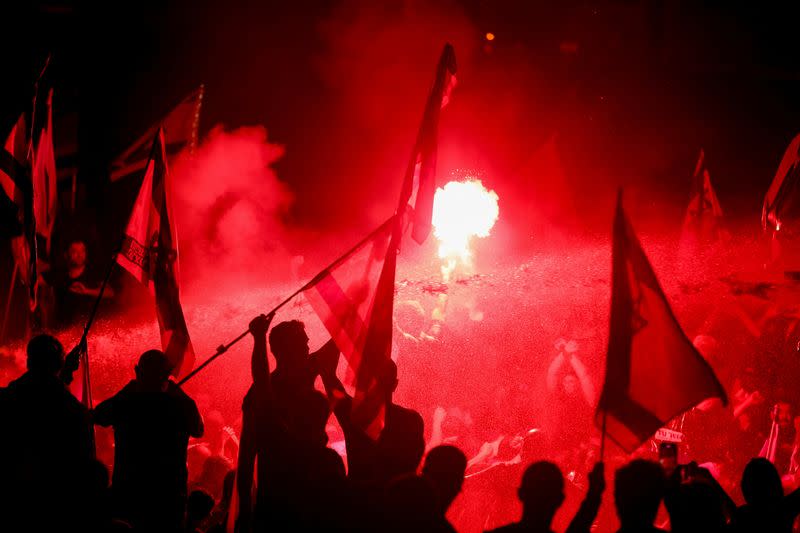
pixel 462 210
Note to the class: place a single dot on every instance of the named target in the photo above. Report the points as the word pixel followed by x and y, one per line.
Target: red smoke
pixel 229 203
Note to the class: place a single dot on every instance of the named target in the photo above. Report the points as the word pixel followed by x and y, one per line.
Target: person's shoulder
pixel 15 385
pixel 176 391
pixel 406 414
pixel 510 528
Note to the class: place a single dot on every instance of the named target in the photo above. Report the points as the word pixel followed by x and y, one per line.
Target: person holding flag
pixel 354 298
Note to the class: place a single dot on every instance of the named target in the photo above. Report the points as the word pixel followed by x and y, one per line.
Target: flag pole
pixel 96 305
pixel 603 438
pixel 222 348
pixel 87 382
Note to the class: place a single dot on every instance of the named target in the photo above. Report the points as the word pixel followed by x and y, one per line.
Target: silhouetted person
pixel 411 505
pixel 198 507
pixel 284 420
pixel 700 509
pixel 153 420
pixel 695 501
pixel 75 285
pixel 444 469
pixel 542 494
pixel 767 510
pixel 46 448
pixel 638 490
pixel 401 444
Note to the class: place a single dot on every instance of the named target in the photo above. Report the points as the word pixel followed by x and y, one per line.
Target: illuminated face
pixel 784 416
pixel 76 254
pixel 570 384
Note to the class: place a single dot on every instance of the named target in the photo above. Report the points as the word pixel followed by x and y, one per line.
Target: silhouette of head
pixel 569 384
pixel 387 377
pixel 153 369
pixel 533 445
pixel 444 468
pixel 198 506
pixel 638 489
pixel 289 342
pixel 45 355
pixel 784 415
pixel 761 483
pixel 76 254
pixel 541 491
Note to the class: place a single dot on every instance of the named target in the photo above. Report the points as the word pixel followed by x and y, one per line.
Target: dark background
pixel 632 88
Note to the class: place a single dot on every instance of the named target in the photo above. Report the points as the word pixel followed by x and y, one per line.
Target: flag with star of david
pixel 653 372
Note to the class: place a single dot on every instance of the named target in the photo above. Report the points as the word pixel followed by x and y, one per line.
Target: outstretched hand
pixel 260 324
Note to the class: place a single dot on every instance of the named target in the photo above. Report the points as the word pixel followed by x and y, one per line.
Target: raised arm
pixel 259 366
pixel 326 360
pixel 587 512
pixel 583 378
pixel 552 372
pixel 437 435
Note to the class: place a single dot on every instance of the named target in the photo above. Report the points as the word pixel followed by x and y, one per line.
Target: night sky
pixel 632 89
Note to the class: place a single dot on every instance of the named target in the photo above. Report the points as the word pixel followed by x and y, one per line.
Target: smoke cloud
pixel 229 206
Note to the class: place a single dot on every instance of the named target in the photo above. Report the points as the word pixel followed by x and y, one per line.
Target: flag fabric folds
pixel 703 220
pixel 180 128
pixel 45 191
pixel 354 299
pixel 16 183
pixel 15 154
pixel 150 253
pixel 653 372
pixel 419 184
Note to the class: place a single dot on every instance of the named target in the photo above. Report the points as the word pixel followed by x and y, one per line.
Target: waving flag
pixel 45 192
pixel 150 253
pixel 15 180
pixel 180 127
pixel 419 184
pixel 355 297
pixel 653 372
pixel 703 221
pixel 782 193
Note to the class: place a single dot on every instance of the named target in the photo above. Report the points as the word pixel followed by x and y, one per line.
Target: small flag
pixel 180 127
pixel 419 184
pixel 150 253
pixel 653 372
pixel 782 193
pixel 703 221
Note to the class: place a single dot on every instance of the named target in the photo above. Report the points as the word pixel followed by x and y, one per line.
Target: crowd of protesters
pixel 174 471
